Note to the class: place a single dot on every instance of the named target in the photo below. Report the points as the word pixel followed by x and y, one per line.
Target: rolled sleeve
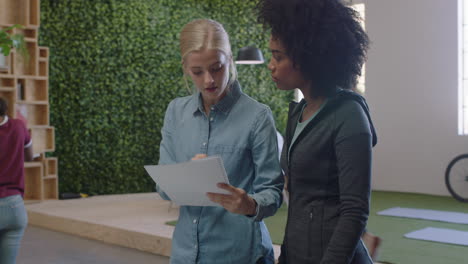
pixel 268 183
pixel 29 144
pixel 166 148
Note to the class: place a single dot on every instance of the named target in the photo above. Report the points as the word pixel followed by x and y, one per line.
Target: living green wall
pixel 115 66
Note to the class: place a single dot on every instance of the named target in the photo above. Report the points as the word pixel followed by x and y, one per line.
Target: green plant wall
pixel 115 66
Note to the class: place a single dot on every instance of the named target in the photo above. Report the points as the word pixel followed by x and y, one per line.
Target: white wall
pixel 411 88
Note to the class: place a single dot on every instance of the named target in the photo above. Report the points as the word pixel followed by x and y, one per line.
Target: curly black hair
pixel 323 38
pixel 3 106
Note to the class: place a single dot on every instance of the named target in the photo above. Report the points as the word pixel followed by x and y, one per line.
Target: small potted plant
pixel 9 41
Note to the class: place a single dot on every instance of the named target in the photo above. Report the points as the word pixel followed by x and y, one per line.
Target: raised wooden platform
pixel 129 220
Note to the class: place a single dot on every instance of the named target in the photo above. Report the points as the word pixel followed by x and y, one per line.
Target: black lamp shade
pixel 249 55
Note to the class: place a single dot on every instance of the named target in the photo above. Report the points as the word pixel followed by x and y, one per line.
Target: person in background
pixel 15 148
pixel 319 47
pixel 219 119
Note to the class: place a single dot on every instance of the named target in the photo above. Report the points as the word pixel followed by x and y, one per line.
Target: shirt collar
pixel 225 105
pixel 5 119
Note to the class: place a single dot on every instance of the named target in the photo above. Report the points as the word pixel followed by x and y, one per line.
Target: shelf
pixel 50 168
pixel 33 183
pixel 6 76
pixel 25 102
pixel 13 12
pixel 30 90
pixel 24 12
pixel 9 94
pixel 7 81
pixel 30 39
pixel 23 66
pixel 44 68
pixel 43 52
pixel 29 33
pixel 35 114
pixel 34 9
pixel 32 27
pixel 50 188
pixel 21 76
pixel 7 89
pixel 32 164
pixel 43 139
pixel 31 77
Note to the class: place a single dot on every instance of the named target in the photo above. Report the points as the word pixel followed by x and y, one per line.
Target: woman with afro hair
pixel 319 47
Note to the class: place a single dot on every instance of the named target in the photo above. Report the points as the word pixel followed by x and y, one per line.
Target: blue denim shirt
pixel 242 132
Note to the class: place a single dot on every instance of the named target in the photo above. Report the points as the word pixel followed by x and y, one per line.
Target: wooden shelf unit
pixel 25 84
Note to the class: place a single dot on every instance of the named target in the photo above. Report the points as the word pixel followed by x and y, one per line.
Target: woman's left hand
pixel 237 201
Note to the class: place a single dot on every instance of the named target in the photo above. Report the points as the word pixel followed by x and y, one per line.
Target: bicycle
pixel 456 178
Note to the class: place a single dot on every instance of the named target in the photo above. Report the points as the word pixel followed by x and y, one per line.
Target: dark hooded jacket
pixel 329 179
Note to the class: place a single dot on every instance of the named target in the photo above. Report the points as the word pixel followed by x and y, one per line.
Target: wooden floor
pixel 130 220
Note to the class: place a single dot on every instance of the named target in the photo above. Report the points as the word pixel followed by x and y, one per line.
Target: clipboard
pixel 187 183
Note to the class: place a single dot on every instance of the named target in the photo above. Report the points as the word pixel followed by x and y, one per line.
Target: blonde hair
pixel 206 34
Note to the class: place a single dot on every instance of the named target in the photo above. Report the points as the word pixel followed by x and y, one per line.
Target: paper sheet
pixel 443 216
pixel 187 183
pixel 441 235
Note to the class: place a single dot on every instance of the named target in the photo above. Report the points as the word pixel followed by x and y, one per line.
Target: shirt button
pixel 311 215
pixel 204 143
pixel 194 221
pixel 212 108
pixel 211 119
pixel 195 246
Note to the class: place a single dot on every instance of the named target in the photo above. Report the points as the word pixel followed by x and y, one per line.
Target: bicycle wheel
pixel 456 178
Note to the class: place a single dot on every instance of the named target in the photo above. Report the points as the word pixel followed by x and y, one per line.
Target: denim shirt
pixel 242 132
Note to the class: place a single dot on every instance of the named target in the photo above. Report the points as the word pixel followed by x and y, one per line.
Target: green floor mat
pixel 396 248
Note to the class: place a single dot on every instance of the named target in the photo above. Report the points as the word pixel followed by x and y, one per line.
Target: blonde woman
pixel 219 119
